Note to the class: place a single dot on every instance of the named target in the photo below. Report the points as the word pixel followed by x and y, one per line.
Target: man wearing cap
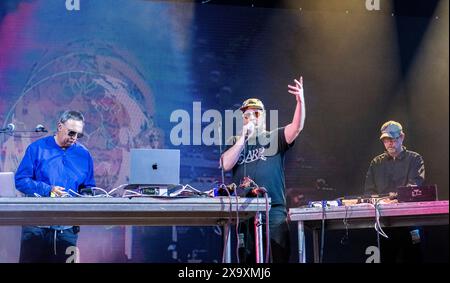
pixel 396 167
pixel 259 155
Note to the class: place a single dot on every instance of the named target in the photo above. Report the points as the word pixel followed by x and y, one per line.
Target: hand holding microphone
pixel 249 129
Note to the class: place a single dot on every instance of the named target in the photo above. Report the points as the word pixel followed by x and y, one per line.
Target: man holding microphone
pixel 259 155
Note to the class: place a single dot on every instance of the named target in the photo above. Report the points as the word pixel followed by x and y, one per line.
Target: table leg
pixel 301 242
pixel 227 243
pixel 316 245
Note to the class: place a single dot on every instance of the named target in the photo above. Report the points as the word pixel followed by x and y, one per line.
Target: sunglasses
pixel 257 114
pixel 73 134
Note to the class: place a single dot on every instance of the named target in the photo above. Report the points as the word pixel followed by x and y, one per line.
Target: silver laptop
pixel 7 184
pixel 154 166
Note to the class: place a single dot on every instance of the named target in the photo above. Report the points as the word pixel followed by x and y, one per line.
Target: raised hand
pixel 297 89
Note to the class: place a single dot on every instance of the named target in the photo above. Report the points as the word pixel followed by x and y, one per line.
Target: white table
pixel 363 216
pixel 155 211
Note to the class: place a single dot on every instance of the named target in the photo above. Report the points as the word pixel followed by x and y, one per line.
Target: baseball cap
pixel 391 129
pixel 252 103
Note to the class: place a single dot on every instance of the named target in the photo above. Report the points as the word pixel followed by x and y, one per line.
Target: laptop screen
pixel 154 166
pixel 7 184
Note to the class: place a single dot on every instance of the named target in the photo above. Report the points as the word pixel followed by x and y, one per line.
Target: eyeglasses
pixel 72 133
pixel 248 114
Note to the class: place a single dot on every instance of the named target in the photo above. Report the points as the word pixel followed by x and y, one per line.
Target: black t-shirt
pixel 385 173
pixel 262 159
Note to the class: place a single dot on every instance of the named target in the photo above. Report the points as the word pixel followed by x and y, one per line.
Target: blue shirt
pixel 45 164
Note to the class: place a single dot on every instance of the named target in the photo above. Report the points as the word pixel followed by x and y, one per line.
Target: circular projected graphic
pixel 106 86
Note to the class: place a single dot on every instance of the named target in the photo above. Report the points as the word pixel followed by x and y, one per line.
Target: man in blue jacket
pixel 54 166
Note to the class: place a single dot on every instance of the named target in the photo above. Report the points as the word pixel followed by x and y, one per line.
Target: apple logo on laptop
pixel 155 166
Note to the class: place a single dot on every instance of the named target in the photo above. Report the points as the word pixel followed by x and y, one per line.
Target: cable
pixel 136 194
pixel 246 139
pixel 87 196
pixel 267 226
pixel 237 225
pixel 220 153
pixel 223 187
pixel 344 238
pixel 65 194
pixel 377 224
pixel 225 246
pixel 227 225
pixel 194 190
pixel 268 247
pixel 100 189
pixel 244 160
pixel 378 227
pixel 256 227
pixel 188 190
pixel 379 244
pixel 116 188
pixel 75 193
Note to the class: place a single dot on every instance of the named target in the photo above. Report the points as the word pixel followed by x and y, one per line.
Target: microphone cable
pixel 267 230
pixel 237 226
pixel 267 226
pixel 220 154
pixel 227 226
pixel 268 246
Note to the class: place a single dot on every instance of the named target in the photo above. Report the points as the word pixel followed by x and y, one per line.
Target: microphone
pixel 250 129
pixel 9 128
pixel 40 129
